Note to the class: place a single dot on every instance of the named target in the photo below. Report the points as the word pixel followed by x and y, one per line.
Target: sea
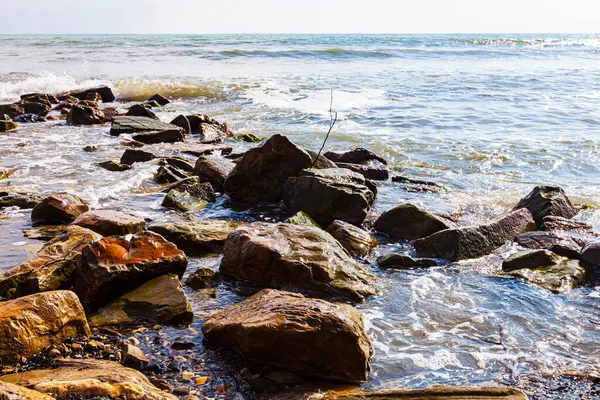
pixel 487 117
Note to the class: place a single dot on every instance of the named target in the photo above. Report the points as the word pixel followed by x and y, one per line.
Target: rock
pixel 202 278
pixel 93 96
pixel 11 110
pixel 554 223
pixel 262 172
pixel 476 241
pixel 32 323
pixel 89 103
pixel 192 197
pixel 128 124
pixel 402 261
pixel 355 156
pixel 114 265
pixel 410 222
pixel 7 125
pixel 294 256
pixel 182 122
pixel 168 175
pixel 39 109
pixel 353 239
pixel 89 379
pixel 203 149
pixel 590 253
pixel 159 301
pixel 161 100
pixel 105 93
pixel 40 98
pixel 131 156
pixel 109 113
pixel 57 209
pixel 374 172
pixel 196 238
pixel 9 391
pixel 84 115
pixel 178 163
pixel 114 166
pixel 198 120
pixel 248 137
pixel 547 200
pixel 16 198
pixel 91 148
pixel 44 232
pixel 213 169
pixel 133 357
pixel 329 194
pixel 165 136
pixel 302 218
pixel 140 110
pixel 213 133
pixel 545 269
pixel 557 242
pixel 29 118
pixel 314 337
pixel 51 267
pixel 110 222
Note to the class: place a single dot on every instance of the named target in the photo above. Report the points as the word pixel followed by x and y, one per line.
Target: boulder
pixel 10 197
pixel 530 259
pixel 543 201
pixel 262 171
pixel 32 323
pixel 160 100
pixel 190 197
pixel 51 267
pixel 57 209
pixel 202 278
pixel 84 115
pixel 105 93
pixel 374 172
pixel 182 122
pixel 133 357
pixel 110 222
pixel 115 265
pixel 160 301
pixel 409 222
pixel 198 120
pixel 110 113
pixel 131 156
pixel 476 241
pixel 179 163
pixel 303 335
pixel 557 242
pixel 45 98
pixel 83 379
pixel 329 194
pixel 39 109
pixel 140 110
pixel 590 253
pixel 129 124
pixel 196 238
pixel 11 110
pixel 554 223
pixel 168 174
pixel 10 391
pixel 402 261
pixel 355 156
pixel 7 125
pixel 213 169
pixel 114 166
pixel 164 136
pixel 353 239
pixel 295 256
pixel 213 133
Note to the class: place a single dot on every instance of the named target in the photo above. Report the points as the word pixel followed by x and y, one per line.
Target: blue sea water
pixel 486 116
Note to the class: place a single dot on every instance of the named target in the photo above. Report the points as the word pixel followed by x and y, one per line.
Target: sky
pixel 300 16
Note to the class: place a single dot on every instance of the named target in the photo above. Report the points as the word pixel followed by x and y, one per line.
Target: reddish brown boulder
pixel 85 115
pixel 357 241
pixel 57 209
pixel 110 222
pixel 213 169
pixel 105 93
pixel 407 221
pixel 546 201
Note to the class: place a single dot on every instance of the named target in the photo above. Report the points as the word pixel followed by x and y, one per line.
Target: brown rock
pixel 355 240
pixel 139 110
pixel 558 242
pixel 12 110
pixel 110 222
pixel 547 200
pixel 105 93
pixel 58 208
pixel 39 109
pixel 133 357
pixel 355 156
pixel 213 169
pixel 109 113
pixel 114 166
pixel 203 278
pixel 128 124
pixel 10 391
pixel 131 156
pixel 182 122
pixel 93 96
pixel 196 238
pixel 402 261
pixel 40 98
pixel 407 221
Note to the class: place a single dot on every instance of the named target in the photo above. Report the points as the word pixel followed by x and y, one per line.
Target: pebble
pixel 187 374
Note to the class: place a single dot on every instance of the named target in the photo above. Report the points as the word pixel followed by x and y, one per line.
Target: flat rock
pixel 295 256
pixel 476 241
pixel 213 169
pixel 190 197
pixel 32 323
pixel 407 221
pixel 402 261
pixel 10 391
pixel 129 124
pixel 374 172
pixel 196 238
pixel 160 300
pixel 313 337
pixel 329 194
pixel 163 136
pixel 89 379
pixel 543 201
pixel 84 115
pixel 554 223
pixel 357 241
pixel 355 156
pixel 115 265
pixel 111 222
pixel 131 156
pixel 106 94
pixel 57 209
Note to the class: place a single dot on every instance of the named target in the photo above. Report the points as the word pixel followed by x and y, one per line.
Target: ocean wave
pixel 530 42
pixel 332 52
pixel 14 85
pixel 139 89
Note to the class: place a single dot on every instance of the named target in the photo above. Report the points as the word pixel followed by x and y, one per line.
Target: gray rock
pixel 128 124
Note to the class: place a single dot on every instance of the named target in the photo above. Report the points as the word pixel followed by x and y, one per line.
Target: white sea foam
pixel 44 83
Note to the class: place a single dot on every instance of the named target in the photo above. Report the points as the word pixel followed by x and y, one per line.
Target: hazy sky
pixel 300 16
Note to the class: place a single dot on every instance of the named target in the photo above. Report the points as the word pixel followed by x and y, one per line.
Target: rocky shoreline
pixel 68 313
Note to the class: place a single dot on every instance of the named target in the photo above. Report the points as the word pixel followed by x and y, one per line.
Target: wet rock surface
pixel 407 221
pixel 130 124
pixel 355 240
pixel 110 222
pixel 59 208
pixel 196 238
pixel 213 169
pixel 402 261
pixel 545 201
pixel 190 197
pixel 84 115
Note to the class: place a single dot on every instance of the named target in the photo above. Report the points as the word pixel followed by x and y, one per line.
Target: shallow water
pixel 487 117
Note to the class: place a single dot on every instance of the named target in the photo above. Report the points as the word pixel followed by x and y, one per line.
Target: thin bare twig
pixel 332 120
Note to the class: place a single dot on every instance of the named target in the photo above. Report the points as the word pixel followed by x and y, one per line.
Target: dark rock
pixel 554 223
pixel 213 169
pixel 213 133
pixel 203 149
pixel 203 278
pixel 110 222
pixel 196 238
pixel 472 242
pixel 402 261
pixel 91 149
pixel 407 221
pixel 557 242
pixel 109 114
pixel 134 357
pixel 168 175
pixel 182 122
pixel 166 136
pixel 81 94
pixel 93 96
pixel 163 101
pixel 314 337
pixel 547 200
pixel 140 110
pixel 191 197
pixel 197 120
pixel 84 115
pixel 590 253
pixel 40 98
pixel 329 194
pixel 7 125
pixel 355 156
pixel 131 156
pixel 15 198
pixel 530 259
pixel 183 345
pixel 58 208
pixel 132 143
pixel 11 110
pixel 128 124
pixel 179 163
pixel 114 166
pixel 353 239
pixel 295 256
pixel 29 118
pixel 374 172
pixel 35 108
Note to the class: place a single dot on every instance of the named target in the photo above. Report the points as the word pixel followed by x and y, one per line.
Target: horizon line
pixel 306 33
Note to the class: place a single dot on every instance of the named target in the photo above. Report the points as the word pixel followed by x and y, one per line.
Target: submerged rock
pixel 32 323
pixel 160 300
pixel 213 169
pixel 82 94
pixel 402 261
pixel 313 337
pixel 557 242
pixel 111 222
pixel 547 200
pixel 84 115
pixel 114 265
pixel 89 379
pixel 131 156
pixel 476 241
pixel 129 124
pixel 355 156
pixel 196 238
pixel 190 197
pixel 353 239
pixel 114 166
pixel 57 209
pixel 295 256
pixel 163 136
pixel 407 221
pixel 202 278
pixel 329 194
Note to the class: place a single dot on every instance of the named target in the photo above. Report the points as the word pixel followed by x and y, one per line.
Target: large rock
pixel 329 194
pixel 12 110
pixel 355 156
pixel 557 242
pixel 140 110
pixel 295 256
pixel 110 222
pixel 162 136
pixel 128 124
pixel 83 379
pixel 190 197
pixel 543 201
pixel 554 223
pixel 32 323
pixel 51 267
pixel 131 156
pixel 160 300
pixel 355 240
pixel 196 238
pixel 105 93
pixel 182 122
pixel 45 98
pixel 307 336
pixel 213 169
pixel 210 129
pixel 262 172
pixel 10 391
pixel 57 209
pixel 409 222
pixel 115 265
pixel 39 109
pixel 84 115
pixel 476 241
pixel 376 172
